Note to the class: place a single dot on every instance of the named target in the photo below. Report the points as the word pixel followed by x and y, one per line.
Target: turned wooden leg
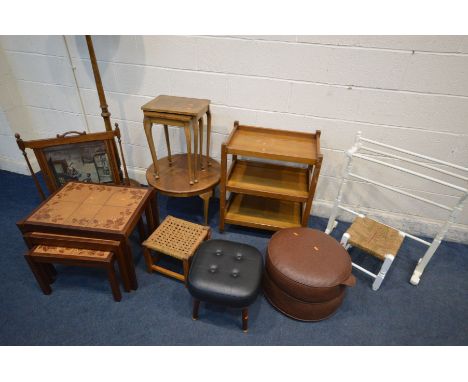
pixel 200 126
pixel 38 273
pixel 148 125
pixel 186 266
pixel 168 144
pixel 208 136
pixel 195 149
pixel 113 282
pixel 245 319
pixel 196 306
pixel 188 138
pixel 206 203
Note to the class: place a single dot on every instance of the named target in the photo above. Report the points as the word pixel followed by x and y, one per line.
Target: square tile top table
pixel 96 206
pixel 177 105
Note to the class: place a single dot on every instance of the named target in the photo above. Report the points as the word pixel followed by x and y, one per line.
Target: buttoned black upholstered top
pixel 225 272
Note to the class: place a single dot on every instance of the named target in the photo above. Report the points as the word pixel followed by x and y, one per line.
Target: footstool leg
pixel 196 305
pixel 245 319
pixel 113 281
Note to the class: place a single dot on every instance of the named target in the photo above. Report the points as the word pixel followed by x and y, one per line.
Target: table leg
pixel 39 275
pixel 208 136
pixel 206 203
pixel 148 125
pixel 130 265
pixel 200 126
pixel 149 218
pixel 155 211
pixel 141 229
pixel 123 269
pixel 114 284
pixel 188 138
pixel 195 144
pixel 196 306
pixel 168 144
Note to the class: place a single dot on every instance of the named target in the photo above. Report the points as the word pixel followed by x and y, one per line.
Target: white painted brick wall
pixel 409 91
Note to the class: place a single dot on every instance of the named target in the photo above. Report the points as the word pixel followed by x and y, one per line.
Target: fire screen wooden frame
pixel 103 142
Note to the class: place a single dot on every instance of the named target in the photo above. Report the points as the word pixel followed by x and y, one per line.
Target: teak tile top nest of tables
pixel 95 211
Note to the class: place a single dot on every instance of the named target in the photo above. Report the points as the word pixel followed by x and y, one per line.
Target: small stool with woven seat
pixel 176 238
pixel 377 239
pixel 41 257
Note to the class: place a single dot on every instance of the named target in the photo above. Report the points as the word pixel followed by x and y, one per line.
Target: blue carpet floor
pixel 81 311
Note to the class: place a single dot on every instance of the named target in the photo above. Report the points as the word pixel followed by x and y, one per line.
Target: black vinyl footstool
pixel 225 273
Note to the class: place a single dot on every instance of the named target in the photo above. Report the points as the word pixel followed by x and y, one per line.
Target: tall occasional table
pixel 182 175
pixel 183 112
pixel 95 211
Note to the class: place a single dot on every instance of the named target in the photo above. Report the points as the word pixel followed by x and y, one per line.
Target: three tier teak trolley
pixel 268 195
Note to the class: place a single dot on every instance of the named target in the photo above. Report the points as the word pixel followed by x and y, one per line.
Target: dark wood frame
pixel 73 137
pixel 39 263
pixel 38 238
pixel 147 206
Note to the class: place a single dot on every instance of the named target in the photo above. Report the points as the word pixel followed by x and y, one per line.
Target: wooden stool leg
pixel 196 306
pixel 113 281
pixel 168 144
pixel 200 126
pixel 149 137
pixel 188 138
pixel 206 203
pixel 148 260
pixel 245 319
pixel 195 149
pixel 208 136
pixel 39 275
pixel 186 266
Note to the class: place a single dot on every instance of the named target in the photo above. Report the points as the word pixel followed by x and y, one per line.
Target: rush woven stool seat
pixel 41 257
pixel 377 239
pixel 176 238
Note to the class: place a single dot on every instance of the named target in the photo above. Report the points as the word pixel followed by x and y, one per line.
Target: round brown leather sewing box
pixel 306 273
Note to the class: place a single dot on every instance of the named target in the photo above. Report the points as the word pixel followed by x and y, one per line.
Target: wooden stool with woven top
pixel 377 239
pixel 176 238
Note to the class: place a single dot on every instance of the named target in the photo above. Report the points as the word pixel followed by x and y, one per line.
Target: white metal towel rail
pixel 454 211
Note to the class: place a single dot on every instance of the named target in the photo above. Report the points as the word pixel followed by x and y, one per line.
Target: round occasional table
pixel 173 177
pixel 306 273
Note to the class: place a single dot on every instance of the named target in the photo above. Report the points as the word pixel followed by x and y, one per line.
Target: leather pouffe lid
pixel 305 259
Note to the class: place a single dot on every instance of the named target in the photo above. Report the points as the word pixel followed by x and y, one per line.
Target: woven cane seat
pixel 49 250
pixel 177 238
pixel 374 237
